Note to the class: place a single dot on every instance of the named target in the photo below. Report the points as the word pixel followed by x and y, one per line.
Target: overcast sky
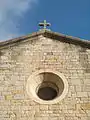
pixel 21 17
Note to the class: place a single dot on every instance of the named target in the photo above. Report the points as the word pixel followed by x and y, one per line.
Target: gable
pixel 47 34
pixel 40 48
pixel 44 60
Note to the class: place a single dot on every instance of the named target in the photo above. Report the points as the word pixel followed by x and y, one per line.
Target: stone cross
pixel 44 24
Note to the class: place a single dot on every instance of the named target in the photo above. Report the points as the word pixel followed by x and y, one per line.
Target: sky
pixel 21 17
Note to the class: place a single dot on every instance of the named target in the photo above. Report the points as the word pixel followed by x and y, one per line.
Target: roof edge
pixel 68 39
pixel 49 34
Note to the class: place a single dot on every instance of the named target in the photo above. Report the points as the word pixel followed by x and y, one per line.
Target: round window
pixel 47 91
pixel 47 87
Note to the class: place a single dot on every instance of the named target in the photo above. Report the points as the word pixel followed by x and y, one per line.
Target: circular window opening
pixel 47 87
pixel 47 91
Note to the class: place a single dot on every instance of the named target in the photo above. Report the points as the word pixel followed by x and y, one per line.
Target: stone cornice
pixel 48 34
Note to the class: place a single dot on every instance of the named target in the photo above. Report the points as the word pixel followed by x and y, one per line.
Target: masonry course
pixel 20 58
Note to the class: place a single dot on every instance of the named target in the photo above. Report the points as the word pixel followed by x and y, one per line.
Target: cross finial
pixel 44 24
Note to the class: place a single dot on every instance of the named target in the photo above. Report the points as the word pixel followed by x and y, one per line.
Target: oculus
pixel 47 87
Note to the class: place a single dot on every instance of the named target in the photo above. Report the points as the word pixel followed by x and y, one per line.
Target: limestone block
pixel 88 112
pixel 2 97
pixel 8 97
pixel 18 97
pixel 78 88
pixel 75 81
pixel 86 88
pixel 82 94
pixel 44 107
pixel 85 106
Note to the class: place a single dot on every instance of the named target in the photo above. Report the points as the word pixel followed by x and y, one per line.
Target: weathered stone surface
pixel 20 59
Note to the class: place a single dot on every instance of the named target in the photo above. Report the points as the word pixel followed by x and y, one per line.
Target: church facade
pixel 45 76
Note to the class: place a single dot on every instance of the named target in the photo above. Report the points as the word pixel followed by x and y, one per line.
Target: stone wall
pixel 18 61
